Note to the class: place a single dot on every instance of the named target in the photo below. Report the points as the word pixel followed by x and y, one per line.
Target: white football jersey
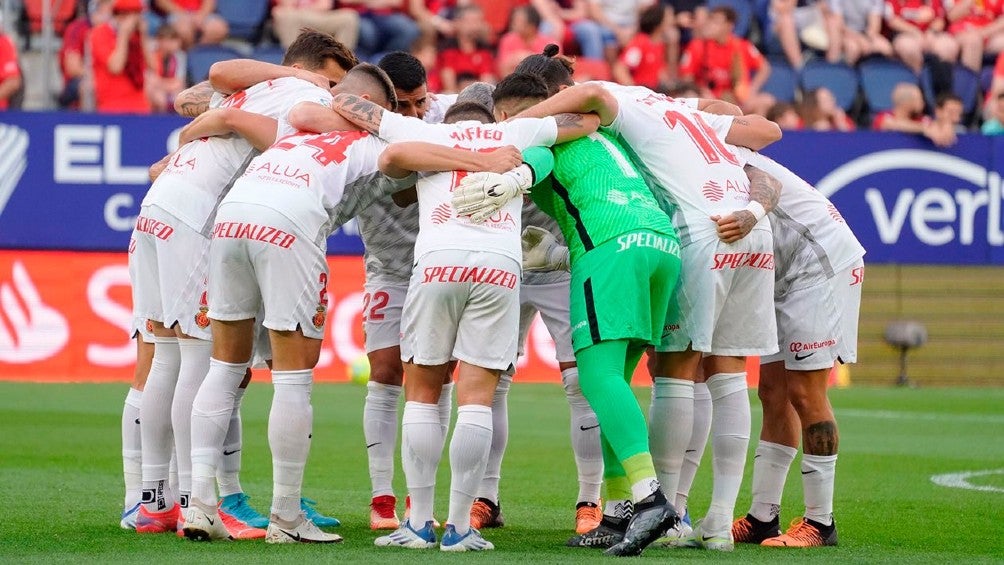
pixel 202 171
pixel 318 181
pixel 388 231
pixel 682 151
pixel 439 225
pixel 803 216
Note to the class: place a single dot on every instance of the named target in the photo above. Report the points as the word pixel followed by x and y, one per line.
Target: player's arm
pixel 194 100
pixel 764 193
pixel 259 130
pixel 401 159
pixel 719 107
pixel 574 126
pixel 237 74
pixel 314 118
pixel 579 99
pixel 755 132
pixel 381 122
pixel 159 166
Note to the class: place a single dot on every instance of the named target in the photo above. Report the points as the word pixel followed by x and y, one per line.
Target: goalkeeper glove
pixel 542 252
pixel 479 195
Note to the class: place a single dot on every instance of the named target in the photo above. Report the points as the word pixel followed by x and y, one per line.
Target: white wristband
pixel 523 175
pixel 756 209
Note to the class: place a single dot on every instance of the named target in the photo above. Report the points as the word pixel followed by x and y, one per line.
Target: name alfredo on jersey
pixel 652 240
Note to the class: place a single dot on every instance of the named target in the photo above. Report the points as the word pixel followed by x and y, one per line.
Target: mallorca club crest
pixel 202 318
pixel 319 316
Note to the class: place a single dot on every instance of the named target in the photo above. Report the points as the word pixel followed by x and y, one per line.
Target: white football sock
pixel 818 472
pixel 446 408
pixel 211 415
pixel 228 468
pixel 469 448
pixel 730 426
pixel 195 355
pixel 585 432
pixel 670 423
pixel 290 423
pixel 770 469
pixel 695 449
pixel 489 487
pixel 132 454
pixel 422 441
pixel 155 413
pixel 380 432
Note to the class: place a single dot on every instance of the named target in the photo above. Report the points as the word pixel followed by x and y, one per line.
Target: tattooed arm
pixel 574 126
pixel 755 132
pixel 764 193
pixel 360 111
pixel 581 98
pixel 194 100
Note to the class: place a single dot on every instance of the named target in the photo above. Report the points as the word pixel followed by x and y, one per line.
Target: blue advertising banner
pixel 75 182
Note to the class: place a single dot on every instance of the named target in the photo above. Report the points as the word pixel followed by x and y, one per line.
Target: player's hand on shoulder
pixel 542 252
pixel 502 159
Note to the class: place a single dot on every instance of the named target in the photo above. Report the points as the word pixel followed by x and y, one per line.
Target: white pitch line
pixel 961 480
pixel 933 416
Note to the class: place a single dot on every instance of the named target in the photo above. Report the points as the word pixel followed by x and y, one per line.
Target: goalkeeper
pixel 624 257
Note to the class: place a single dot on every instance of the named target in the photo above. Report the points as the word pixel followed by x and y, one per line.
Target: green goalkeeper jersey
pixel 597 194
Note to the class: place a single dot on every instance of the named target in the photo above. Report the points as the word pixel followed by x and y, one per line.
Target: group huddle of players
pixel 630 221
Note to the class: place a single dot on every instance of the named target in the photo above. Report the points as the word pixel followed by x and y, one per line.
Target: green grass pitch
pixel 61 485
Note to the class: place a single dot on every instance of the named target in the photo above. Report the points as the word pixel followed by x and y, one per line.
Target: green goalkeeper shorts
pixel 621 288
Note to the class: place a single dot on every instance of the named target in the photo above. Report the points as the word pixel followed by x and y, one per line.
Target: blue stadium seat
pixel 201 57
pixel 839 78
pixel 879 77
pixel 965 85
pixel 782 82
pixel 271 54
pixel 245 17
pixel 744 13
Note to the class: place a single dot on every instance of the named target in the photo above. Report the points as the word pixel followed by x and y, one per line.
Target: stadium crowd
pixel 133 55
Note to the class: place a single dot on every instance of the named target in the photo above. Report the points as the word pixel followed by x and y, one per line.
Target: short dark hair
pixel 404 70
pixel 462 111
pixel 531 14
pixel 728 11
pixel 651 18
pixel 553 69
pixel 946 97
pixel 520 86
pixel 312 48
pixel 376 80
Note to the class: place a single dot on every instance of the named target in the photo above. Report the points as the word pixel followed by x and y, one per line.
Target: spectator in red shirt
pixel 907 116
pixel 978 25
pixel 195 20
pixel 467 53
pixel 290 16
pixel 996 85
pixel 918 28
pixel 643 60
pixel 10 71
pixel 168 76
pixel 523 39
pixel 785 116
pixel 119 60
pixel 725 66
pixel 425 51
pixel 76 79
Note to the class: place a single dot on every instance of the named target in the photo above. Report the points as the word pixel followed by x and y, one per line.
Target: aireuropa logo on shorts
pixel 937 199
pixel 801 346
pixel 13 160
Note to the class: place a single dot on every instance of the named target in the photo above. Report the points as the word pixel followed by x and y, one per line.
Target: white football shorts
pixel 551 300
pixel 462 305
pixel 382 304
pixel 818 325
pixel 168 265
pixel 258 259
pixel 724 302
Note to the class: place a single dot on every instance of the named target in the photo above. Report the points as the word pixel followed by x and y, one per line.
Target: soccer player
pixel 616 231
pixel 269 251
pixel 817 295
pixel 461 304
pixel 388 232
pixel 722 306
pixel 169 255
